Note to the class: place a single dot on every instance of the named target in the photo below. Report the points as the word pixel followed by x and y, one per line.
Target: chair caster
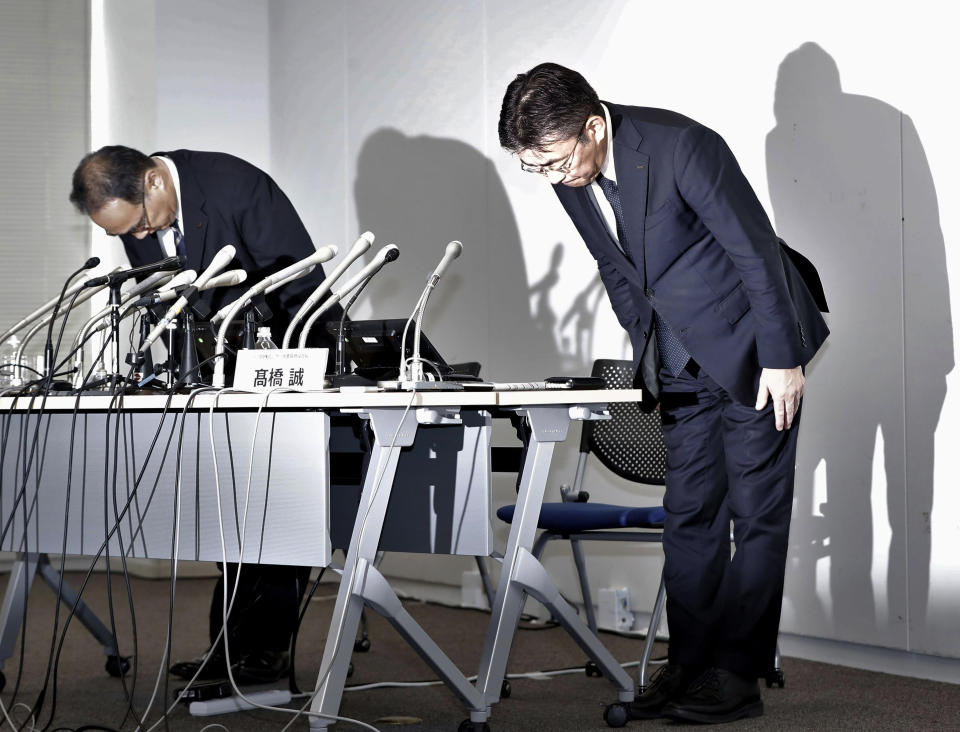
pixel 615 715
pixel 117 666
pixel 362 645
pixel 592 669
pixel 468 726
pixel 505 689
pixel 775 677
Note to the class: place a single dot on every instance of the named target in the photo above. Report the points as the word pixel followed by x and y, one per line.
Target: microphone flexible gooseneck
pixel 48 346
pixel 387 254
pixel 413 373
pixel 320 256
pixel 340 369
pixel 360 246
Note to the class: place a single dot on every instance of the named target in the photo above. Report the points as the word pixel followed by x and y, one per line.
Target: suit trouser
pixel 725 462
pixel 266 607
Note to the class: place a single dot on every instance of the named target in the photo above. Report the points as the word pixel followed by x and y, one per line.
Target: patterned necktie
pixel 178 239
pixel 672 353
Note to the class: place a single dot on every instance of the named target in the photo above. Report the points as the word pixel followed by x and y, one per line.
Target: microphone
pixel 413 376
pixel 48 346
pixel 360 246
pixel 389 253
pixel 96 323
pixel 220 260
pixel 340 371
pixel 164 294
pixel 124 275
pixel 452 252
pixel 323 254
pixel 179 280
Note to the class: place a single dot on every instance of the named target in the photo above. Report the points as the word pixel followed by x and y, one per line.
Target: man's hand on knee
pixel 785 388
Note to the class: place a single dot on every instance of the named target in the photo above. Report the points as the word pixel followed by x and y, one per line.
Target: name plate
pixel 263 369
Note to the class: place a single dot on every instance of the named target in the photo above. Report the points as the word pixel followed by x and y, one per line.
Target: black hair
pixel 548 103
pixel 111 172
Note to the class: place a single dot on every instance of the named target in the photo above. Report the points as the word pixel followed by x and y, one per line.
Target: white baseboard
pixel 840 653
pixel 871 658
pixel 142 568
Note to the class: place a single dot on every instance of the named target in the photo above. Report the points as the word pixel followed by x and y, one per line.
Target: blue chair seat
pixel 572 518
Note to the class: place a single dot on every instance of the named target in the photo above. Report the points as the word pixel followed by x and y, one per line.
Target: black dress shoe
pixel 215 667
pixel 667 684
pixel 262 667
pixel 717 696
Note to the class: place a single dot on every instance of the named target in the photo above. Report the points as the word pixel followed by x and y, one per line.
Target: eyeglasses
pixel 560 166
pixel 144 222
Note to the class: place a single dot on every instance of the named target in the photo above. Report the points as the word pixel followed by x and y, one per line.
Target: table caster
pixel 615 715
pixel 468 726
pixel 775 677
pixel 117 666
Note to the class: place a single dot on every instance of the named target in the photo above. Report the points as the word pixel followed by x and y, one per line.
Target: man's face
pixel 157 210
pixel 573 162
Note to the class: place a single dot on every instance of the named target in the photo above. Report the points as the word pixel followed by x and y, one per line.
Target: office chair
pixel 629 444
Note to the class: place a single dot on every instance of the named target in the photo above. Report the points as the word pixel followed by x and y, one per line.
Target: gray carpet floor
pixel 817 696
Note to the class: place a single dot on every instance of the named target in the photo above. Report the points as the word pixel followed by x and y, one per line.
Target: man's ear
pixel 598 126
pixel 152 180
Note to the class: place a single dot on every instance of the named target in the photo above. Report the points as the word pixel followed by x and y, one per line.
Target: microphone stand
pixel 114 304
pixel 189 372
pixel 147 321
pixel 48 363
pixel 340 375
pixel 411 375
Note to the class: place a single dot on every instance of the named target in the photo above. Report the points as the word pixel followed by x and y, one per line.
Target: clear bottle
pixel 8 365
pixel 263 338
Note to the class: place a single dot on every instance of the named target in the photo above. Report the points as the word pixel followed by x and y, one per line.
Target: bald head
pixel 111 173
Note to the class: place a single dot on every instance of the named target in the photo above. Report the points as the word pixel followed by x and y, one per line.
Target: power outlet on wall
pixel 613 609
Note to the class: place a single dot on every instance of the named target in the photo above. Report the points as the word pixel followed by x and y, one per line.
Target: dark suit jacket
pixel 701 251
pixel 226 200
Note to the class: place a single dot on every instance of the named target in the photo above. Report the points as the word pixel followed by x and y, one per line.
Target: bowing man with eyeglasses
pixel 722 326
pixel 194 203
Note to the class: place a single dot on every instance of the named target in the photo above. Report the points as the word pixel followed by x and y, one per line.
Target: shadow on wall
pixel 836 184
pixel 422 192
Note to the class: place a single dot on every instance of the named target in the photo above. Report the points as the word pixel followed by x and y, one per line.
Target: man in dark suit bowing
pixel 721 325
pixel 193 204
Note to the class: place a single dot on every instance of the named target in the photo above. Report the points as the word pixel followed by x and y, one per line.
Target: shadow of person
pixel 848 178
pixel 577 326
pixel 422 192
pixel 540 291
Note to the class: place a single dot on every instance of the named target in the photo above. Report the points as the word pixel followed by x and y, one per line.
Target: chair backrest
pixel 630 443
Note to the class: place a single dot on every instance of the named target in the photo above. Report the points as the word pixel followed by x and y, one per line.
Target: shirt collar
pixel 608 169
pixel 172 167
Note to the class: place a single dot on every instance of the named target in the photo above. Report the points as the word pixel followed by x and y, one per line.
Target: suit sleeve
pixel 618 290
pixel 276 237
pixel 711 182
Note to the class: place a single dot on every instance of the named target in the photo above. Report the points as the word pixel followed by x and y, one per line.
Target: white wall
pixel 383 115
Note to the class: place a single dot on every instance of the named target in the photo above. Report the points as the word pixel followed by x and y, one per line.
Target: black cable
pixel 100 551
pixel 48 352
pixel 63 327
pixel 294 689
pixel 168 650
pixel 22 366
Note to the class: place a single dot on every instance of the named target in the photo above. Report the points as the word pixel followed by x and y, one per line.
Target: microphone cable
pixel 96 556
